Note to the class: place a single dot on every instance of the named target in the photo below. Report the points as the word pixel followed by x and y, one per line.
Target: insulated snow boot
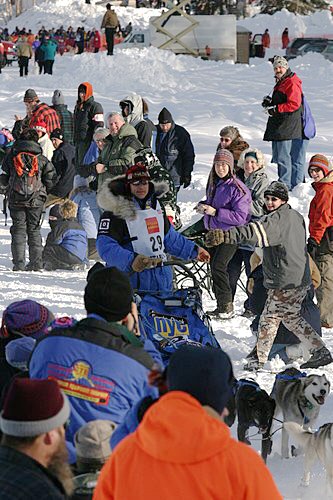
pixel 321 357
pixel 224 311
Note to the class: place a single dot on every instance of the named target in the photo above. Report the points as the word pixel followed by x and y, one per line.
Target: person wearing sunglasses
pixel 282 236
pixel 231 139
pixel 134 233
pixel 320 242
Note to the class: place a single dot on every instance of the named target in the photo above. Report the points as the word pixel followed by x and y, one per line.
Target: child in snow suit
pixel 66 245
pixel 88 212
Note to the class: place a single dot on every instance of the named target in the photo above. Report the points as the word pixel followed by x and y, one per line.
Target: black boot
pixel 320 357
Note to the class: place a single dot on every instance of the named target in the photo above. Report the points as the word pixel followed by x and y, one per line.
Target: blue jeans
pixel 298 154
pixel 290 157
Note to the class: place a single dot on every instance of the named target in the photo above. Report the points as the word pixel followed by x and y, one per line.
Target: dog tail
pixel 301 436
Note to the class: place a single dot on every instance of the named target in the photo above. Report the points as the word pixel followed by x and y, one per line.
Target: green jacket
pixel 118 153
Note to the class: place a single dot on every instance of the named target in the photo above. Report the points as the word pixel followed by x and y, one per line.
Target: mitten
pixel 267 101
pixel 312 247
pixel 272 110
pixel 214 237
pixel 186 181
pixel 141 262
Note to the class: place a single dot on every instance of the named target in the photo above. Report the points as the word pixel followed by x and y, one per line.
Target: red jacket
pixel 285 40
pixel 321 207
pixel 182 450
pixel 97 40
pixel 44 113
pixel 266 40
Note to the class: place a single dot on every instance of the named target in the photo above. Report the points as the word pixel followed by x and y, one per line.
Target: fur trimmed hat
pixel 231 132
pixel 108 293
pixel 68 209
pixel 26 318
pixel 320 161
pixel 257 155
pixel 277 189
pixel 33 407
pixel 204 373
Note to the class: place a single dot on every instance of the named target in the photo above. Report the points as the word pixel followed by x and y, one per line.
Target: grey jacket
pixel 282 236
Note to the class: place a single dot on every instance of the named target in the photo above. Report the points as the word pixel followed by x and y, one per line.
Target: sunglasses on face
pixel 314 169
pixel 140 183
pixel 271 198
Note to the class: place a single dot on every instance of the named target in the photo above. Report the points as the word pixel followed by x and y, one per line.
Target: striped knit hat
pixel 224 155
pixel 320 161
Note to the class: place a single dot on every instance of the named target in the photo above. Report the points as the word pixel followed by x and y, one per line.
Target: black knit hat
pixel 165 116
pixel 278 189
pixel 203 372
pixel 57 134
pixel 109 294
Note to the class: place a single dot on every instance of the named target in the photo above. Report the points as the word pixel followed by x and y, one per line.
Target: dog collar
pixel 308 405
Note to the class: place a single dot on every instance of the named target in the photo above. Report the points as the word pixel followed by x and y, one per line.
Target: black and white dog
pixel 254 407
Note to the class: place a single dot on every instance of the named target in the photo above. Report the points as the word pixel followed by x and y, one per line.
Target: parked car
pixel 297 46
pixel 10 51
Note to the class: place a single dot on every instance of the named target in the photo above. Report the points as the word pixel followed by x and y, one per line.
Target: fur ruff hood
pixel 113 197
pixel 260 156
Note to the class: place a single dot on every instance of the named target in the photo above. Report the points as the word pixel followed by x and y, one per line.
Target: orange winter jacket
pixel 321 207
pixel 182 450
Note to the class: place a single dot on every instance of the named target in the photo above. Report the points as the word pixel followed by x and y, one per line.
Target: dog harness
pixel 308 405
pixel 284 376
pixel 242 382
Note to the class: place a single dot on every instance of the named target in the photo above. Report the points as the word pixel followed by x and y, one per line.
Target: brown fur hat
pixel 68 209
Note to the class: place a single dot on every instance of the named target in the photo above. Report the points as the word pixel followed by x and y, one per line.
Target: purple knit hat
pixel 25 317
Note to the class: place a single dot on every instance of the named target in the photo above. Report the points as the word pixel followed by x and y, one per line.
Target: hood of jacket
pixel 168 429
pixel 326 180
pixel 137 112
pixel 89 91
pixel 21 146
pixel 259 155
pixel 113 197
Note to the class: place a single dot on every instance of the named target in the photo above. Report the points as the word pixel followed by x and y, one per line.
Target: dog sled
pixel 172 319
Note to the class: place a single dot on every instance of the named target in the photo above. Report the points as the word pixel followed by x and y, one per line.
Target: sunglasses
pixel 315 169
pixel 271 198
pixel 140 183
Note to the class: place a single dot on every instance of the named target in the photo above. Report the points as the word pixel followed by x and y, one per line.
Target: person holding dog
pixel 182 447
pixel 282 236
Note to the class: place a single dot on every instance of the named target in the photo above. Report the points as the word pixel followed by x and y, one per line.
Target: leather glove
pixel 214 237
pixel 186 181
pixel 267 101
pixel 272 110
pixel 312 247
pixel 142 262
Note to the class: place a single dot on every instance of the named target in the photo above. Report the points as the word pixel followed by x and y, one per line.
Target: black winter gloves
pixel 312 247
pixel 267 101
pixel 185 181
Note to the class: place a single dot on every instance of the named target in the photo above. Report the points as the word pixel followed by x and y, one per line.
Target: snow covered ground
pixel 204 96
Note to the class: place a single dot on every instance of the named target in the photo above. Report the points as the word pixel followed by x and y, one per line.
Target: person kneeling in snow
pixel 134 235
pixel 67 243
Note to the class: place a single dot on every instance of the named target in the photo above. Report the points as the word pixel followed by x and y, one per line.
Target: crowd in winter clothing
pixel 113 197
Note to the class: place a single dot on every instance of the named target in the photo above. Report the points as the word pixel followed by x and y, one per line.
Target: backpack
pixel 26 179
pixel 309 126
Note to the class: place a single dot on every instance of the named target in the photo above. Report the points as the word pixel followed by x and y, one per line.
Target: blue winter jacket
pixel 49 50
pixel 115 248
pixel 88 212
pixel 101 366
pixel 70 235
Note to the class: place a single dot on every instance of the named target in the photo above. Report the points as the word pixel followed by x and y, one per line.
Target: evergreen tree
pixel 296 6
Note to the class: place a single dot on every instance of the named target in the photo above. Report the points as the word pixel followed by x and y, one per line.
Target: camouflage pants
pixel 285 306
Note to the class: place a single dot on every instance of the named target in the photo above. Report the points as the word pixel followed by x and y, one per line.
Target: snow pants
pixel 285 306
pixel 220 258
pixel 26 223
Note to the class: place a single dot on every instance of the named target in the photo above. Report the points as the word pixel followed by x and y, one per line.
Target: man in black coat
pixel 27 178
pixel 63 160
pixel 88 115
pixel 174 149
